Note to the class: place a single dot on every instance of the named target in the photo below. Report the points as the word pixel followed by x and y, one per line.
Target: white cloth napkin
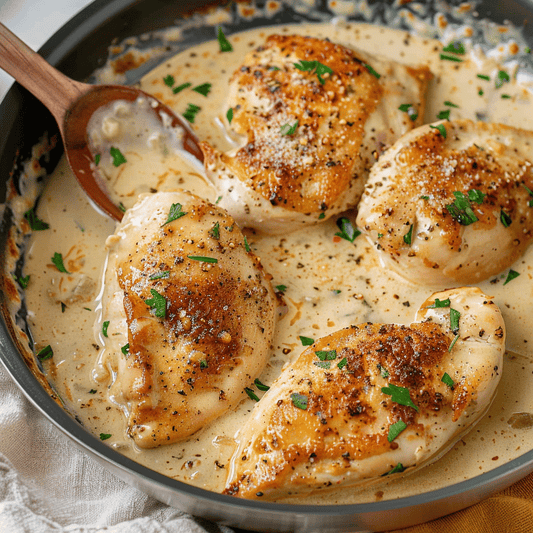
pixel 48 485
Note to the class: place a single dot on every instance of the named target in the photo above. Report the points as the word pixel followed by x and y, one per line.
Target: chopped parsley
pixel 23 281
pixel 174 213
pixel 158 303
pixel 169 80
pixel 399 395
pixel 326 365
pixel 439 303
pixel 260 386
pixel 506 96
pixel 288 129
pixel 215 231
pixel 454 320
pixel 299 400
pixel 326 355
pixel 57 259
pixel 36 224
pixel 444 115
pixel 118 156
pixel 251 394
pixel 448 57
pixel 281 288
pixel 372 71
pixel 342 363
pixel 203 258
pixel 97 158
pixel 483 77
pixel 440 128
pixel 246 245
pixel 455 47
pixel 395 429
pixel 512 274
pixel 45 353
pixel 314 67
pixel 477 196
pixel 461 210
pixel 501 78
pixel 122 207
pixel 455 339
pixel 530 203
pixel 105 436
pixel 450 104
pixel 105 325
pixel 408 237
pixel 505 219
pixel 93 391
pixel 125 349
pixel 397 469
pixel 410 110
pixel 203 89
pixel 181 87
pixel 306 341
pixel 203 364
pixel 164 274
pixel 347 230
pixel 447 380
pixel 225 45
pixel 191 112
pixel 383 372
pixel 229 115
pixel 424 197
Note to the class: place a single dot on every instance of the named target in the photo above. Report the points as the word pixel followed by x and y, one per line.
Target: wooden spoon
pixel 72 104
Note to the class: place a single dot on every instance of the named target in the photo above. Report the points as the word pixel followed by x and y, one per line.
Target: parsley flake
pixel 440 128
pixel 23 281
pixel 530 203
pixel 505 219
pixel 229 115
pixel 203 89
pixel 342 363
pixel 372 71
pixel 181 87
pixel 105 325
pixel 246 245
pixel 314 67
pixel 461 210
pixel 437 304
pixel 125 349
pixel 456 338
pixel 383 372
pixel 203 259
pixel 174 213
pixel 203 364
pixel 410 110
pixel 501 78
pixel 118 156
pixel 191 112
pixel 36 224
pixel 454 320
pixel 326 355
pixel 225 45
pixel 444 115
pixel 45 353
pixel 169 80
pixel 299 400
pixel 476 196
pixel 281 288
pixel 483 77
pixel 447 380
pixel 251 394
pixel 347 230
pixel 260 386
pixel 450 104
pixel 57 259
pixel 512 274
pixel 306 341
pixel 395 429
pixel 158 303
pixel 164 274
pixel 215 231
pixel 397 469
pixel 408 237
pixel 288 129
pixel 399 395
pixel 105 436
pixel 448 57
pixel 456 47
pixel 97 158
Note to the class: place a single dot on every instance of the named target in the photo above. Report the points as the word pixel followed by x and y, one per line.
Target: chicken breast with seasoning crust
pixel 314 116
pixel 189 313
pixel 451 202
pixel 373 399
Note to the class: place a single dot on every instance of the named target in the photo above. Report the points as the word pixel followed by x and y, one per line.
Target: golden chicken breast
pixel 313 115
pixel 451 202
pixel 189 316
pixel 373 399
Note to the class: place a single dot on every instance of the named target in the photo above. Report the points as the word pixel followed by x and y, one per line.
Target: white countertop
pixel 35 21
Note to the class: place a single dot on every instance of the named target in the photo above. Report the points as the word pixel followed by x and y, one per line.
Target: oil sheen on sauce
pixel 330 283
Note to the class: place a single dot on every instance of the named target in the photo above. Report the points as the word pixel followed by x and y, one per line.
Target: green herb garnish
pixel 181 87
pixel 451 58
pixel 23 281
pixel 229 115
pixel 105 436
pixel 444 115
pixel 456 338
pixel 461 210
pixel 36 224
pixel 288 129
pixel 505 219
pixel 215 231
pixel 299 400
pixel 397 469
pixel 251 394
pixel 450 104
pixel 45 353
pixel 372 71
pixel 225 45
pixel 326 355
pixel 440 128
pixel 476 196
pixel 306 341
pixel 447 380
pixel 105 325
pixel 165 274
pixel 246 245
pixel 203 89
pixel 118 156
pixel 512 274
pixel 395 429
pixel 483 77
pixel 174 213
pixel 125 349
pixel 203 258
pixel 410 110
pixel 456 47
pixel 97 158
pixel 314 67
pixel 191 112
pixel 439 303
pixel 203 364
pixel 501 78
pixel 57 259
pixel 399 395
pixel 169 80
pixel 342 363
pixel 281 288
pixel 260 386
pixel 454 320
pixel 158 303
pixel 408 237
pixel 383 372
pixel 347 230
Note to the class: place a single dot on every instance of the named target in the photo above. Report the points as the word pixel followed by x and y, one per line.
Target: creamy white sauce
pixel 330 283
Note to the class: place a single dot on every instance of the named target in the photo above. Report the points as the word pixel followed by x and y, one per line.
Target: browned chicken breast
pixel 314 115
pixel 373 399
pixel 190 316
pixel 451 202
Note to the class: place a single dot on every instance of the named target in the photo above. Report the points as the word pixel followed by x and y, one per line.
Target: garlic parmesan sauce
pixel 330 282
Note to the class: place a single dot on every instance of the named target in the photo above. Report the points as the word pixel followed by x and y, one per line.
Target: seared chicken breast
pixel 373 399
pixel 313 115
pixel 451 202
pixel 190 316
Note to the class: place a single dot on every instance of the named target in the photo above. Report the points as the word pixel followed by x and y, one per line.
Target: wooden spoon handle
pixel 55 90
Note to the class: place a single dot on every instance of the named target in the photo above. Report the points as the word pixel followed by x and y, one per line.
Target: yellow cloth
pixel 509 511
